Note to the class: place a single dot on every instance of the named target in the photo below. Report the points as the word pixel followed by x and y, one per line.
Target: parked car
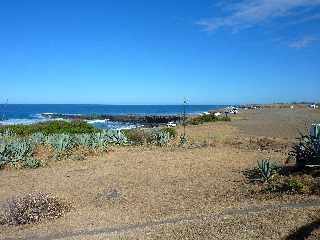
pixel 171 124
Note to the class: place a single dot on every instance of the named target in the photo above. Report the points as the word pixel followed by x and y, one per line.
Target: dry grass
pixel 159 183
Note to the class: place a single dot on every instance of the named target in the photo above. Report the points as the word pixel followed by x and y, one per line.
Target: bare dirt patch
pixel 276 122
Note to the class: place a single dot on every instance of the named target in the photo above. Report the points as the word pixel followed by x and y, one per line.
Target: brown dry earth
pixel 172 192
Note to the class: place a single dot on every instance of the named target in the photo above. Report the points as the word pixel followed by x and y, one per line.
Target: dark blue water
pixel 30 113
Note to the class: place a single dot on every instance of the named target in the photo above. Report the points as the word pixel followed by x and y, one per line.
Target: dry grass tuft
pixel 33 208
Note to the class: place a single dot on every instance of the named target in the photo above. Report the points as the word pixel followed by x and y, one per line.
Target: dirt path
pixel 142 226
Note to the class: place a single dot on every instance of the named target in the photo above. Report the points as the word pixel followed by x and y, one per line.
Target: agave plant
pixel 307 151
pixel 19 149
pixel 2 147
pixel 267 169
pixel 161 138
pixel 7 134
pixel 83 140
pixel 3 158
pixel 60 142
pixel 120 138
pixel 101 143
pixel 115 137
pixel 37 138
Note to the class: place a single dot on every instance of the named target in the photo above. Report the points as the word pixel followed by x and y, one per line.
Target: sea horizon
pixel 11 114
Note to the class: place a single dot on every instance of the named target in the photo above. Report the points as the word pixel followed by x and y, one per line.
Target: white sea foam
pixel 25 121
pixel 96 121
pixel 47 113
pixel 20 121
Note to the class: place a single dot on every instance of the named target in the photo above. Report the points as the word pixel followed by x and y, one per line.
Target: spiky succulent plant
pixel 267 169
pixel 37 138
pixel 60 142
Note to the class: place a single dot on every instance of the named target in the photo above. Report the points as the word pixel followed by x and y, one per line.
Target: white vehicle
pixel 171 124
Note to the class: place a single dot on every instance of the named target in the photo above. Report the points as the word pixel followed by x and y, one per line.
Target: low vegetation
pixel 267 169
pixel 207 118
pixel 57 140
pixel 159 136
pixel 20 151
pixel 298 179
pixel 307 151
pixel 51 127
pixel 32 208
pixel 296 184
pixel 270 178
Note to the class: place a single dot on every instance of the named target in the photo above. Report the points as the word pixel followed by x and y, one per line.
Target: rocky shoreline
pixel 135 119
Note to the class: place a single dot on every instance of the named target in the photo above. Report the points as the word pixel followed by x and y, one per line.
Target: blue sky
pixel 158 52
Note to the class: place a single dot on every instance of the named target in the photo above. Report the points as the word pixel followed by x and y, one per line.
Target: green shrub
pixel 51 127
pixel 135 136
pixel 206 118
pixel 172 132
pixel 32 163
pixel 304 184
pixel 157 136
pixel 307 151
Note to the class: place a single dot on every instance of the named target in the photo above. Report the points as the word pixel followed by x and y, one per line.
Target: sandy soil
pixel 154 184
pixel 276 122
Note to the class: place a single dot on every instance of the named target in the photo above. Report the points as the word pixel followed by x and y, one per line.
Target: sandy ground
pixel 275 122
pixel 155 184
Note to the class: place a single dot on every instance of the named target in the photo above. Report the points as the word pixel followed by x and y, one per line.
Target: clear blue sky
pixel 158 52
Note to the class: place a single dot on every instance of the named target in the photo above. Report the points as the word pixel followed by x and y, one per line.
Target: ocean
pixel 32 113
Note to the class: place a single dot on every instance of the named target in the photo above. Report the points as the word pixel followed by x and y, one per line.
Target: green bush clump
pixel 172 132
pixel 300 184
pixel 135 136
pixel 307 151
pixel 206 118
pixel 32 163
pixel 51 127
pixel 32 208
pixel 159 136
